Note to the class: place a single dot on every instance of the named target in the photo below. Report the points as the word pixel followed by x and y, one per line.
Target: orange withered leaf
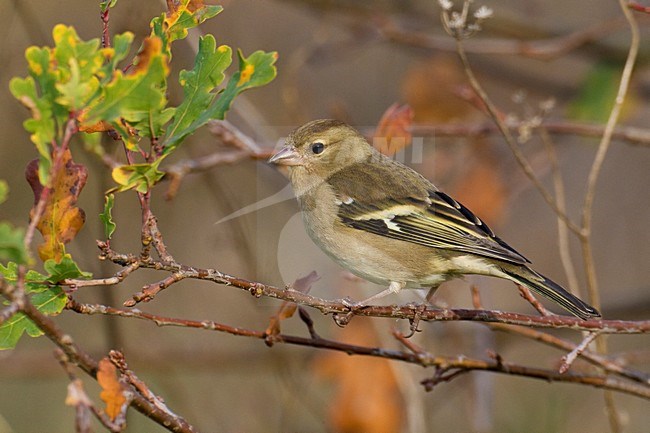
pixel 112 390
pixel 62 219
pixel 393 132
pixel 151 47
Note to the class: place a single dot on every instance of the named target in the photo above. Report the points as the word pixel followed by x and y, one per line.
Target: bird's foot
pixel 414 321
pixel 342 319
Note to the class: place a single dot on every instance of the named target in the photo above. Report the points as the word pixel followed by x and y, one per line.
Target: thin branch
pixel 512 143
pixel 149 291
pixel 229 135
pixel 117 358
pixel 628 134
pixel 118 278
pixel 602 152
pixel 16 304
pixel 418 357
pixel 409 312
pixel 528 296
pixel 546 49
pixel 560 198
pixel 569 358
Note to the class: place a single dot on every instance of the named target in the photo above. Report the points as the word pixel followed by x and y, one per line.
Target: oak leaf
pixel 61 219
pixel 112 390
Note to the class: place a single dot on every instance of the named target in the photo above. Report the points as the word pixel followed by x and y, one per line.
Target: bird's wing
pixel 407 207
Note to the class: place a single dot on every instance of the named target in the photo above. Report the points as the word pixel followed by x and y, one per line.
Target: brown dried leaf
pixel 393 132
pixel 288 309
pixel 112 390
pixel 61 219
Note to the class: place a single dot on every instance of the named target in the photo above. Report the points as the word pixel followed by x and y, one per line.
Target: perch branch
pixel 418 357
pixel 413 312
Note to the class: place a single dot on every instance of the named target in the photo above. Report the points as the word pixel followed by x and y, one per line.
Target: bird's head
pixel 322 147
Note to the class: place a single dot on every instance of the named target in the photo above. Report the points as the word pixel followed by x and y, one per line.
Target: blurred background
pixel 351 61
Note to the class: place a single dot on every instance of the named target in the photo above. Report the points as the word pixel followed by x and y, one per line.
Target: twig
pixel 117 358
pixel 306 318
pixel 528 296
pixel 16 304
pixel 106 37
pixel 149 291
pixel 118 278
pixel 9 311
pixel 569 358
pixel 229 135
pixel 151 234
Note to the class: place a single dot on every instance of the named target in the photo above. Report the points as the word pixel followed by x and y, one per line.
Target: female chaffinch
pixel 387 224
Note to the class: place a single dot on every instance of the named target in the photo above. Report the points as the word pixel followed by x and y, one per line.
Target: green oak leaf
pixel 255 70
pixel 64 269
pixel 50 301
pixel 41 124
pixel 141 177
pixel 47 298
pixel 136 97
pixel 173 25
pixel 88 56
pixel 75 93
pixel 106 217
pixel 198 88
pixel 33 279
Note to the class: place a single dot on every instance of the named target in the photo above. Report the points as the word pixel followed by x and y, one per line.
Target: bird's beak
pixel 287 156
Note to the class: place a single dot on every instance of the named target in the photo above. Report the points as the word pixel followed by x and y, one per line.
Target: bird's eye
pixel 317 147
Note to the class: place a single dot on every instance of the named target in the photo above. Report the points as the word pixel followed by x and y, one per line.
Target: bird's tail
pixel 553 291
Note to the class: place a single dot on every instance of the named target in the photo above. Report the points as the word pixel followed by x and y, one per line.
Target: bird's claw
pixel 342 319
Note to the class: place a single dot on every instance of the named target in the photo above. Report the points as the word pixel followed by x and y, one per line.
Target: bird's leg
pixel 430 294
pixel 393 287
